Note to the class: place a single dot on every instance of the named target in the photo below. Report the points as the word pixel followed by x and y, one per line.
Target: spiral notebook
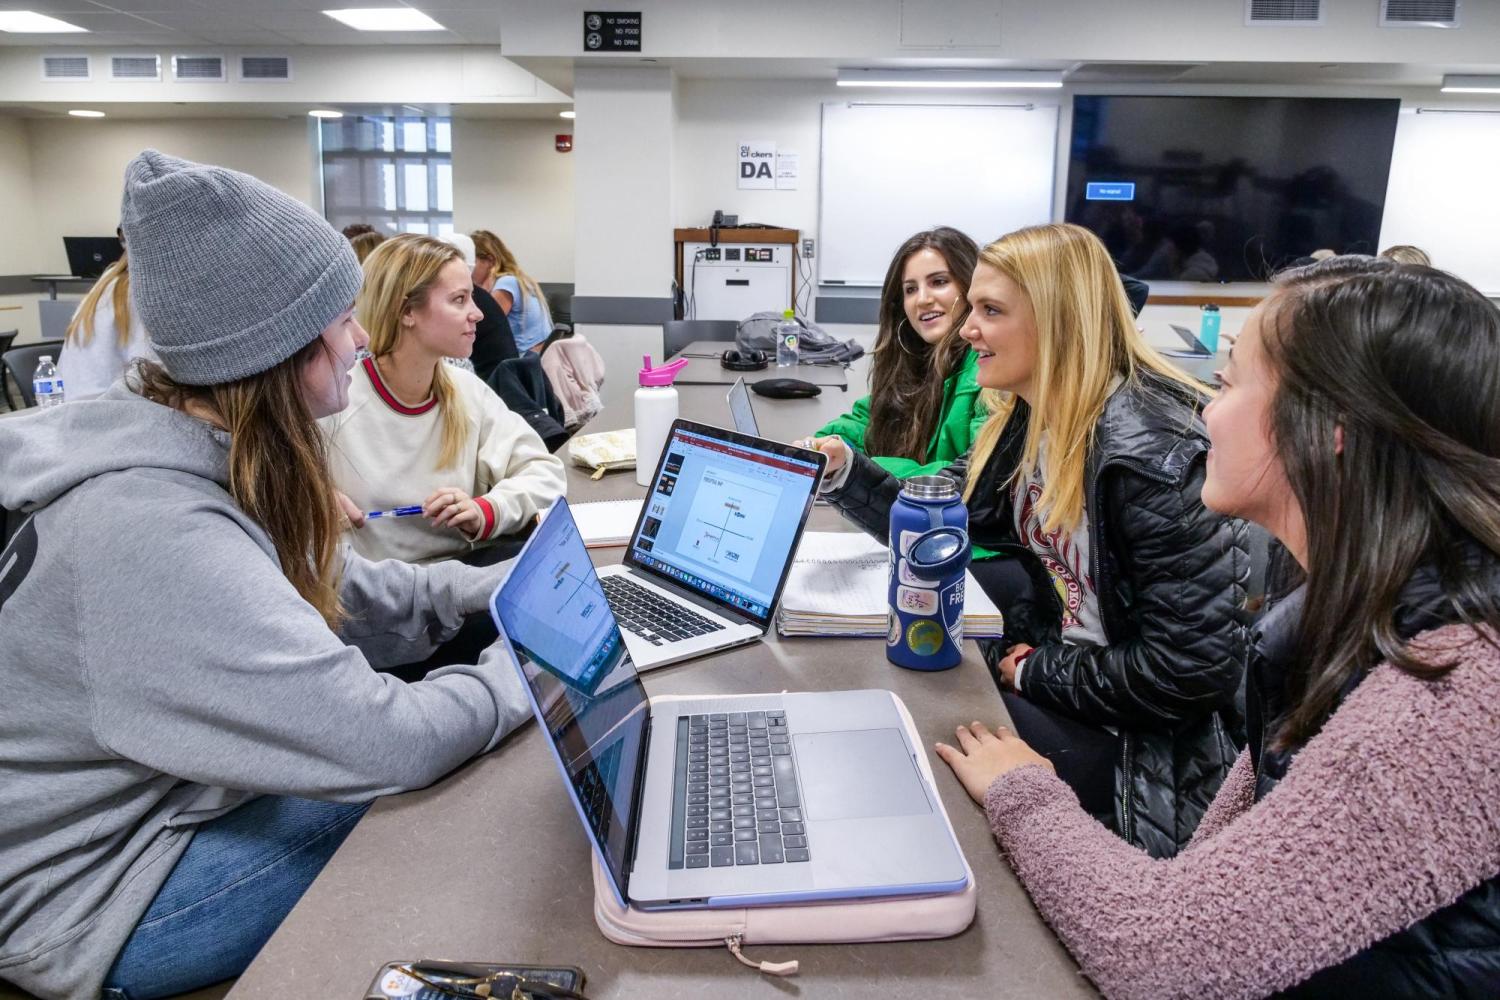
pixel 606 523
pixel 838 587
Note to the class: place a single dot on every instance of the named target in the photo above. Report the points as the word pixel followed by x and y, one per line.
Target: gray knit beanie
pixel 229 275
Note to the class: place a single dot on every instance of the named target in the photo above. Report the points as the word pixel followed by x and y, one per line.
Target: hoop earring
pixel 900 341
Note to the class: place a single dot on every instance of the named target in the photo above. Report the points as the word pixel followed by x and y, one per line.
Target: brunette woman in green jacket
pixel 924 409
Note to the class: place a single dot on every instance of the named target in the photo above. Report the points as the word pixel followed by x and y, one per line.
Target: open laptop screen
pixel 740 410
pixel 724 514
pixel 552 611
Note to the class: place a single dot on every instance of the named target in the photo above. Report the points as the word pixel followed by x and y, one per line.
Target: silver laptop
pixel 740 410
pixel 714 542
pixel 715 802
pixel 1195 347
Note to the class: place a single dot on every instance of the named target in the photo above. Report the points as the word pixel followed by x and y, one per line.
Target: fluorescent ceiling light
pixel 1453 84
pixel 30 22
pixel 324 113
pixel 567 114
pixel 385 19
pixel 81 113
pixel 953 79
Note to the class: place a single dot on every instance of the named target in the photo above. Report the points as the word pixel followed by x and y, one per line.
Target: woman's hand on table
pixel 982 756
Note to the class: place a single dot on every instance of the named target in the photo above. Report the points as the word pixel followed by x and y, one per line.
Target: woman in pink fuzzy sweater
pixel 1354 849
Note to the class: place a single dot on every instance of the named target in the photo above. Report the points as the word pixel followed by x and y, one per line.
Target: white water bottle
pixel 655 409
pixel 46 384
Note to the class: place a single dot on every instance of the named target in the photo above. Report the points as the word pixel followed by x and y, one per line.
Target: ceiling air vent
pixel 65 68
pixel 1419 13
pixel 1283 13
pixel 198 69
pixel 277 69
pixel 135 67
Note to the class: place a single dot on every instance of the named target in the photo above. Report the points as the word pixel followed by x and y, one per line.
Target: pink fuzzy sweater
pixel 1389 814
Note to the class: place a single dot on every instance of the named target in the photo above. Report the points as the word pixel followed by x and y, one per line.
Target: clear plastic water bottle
pixel 788 340
pixel 46 384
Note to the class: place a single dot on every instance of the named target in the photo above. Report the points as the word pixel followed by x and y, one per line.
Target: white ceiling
pixel 512 111
pixel 277 23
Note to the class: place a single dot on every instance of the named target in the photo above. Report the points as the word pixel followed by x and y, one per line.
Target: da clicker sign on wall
pixel 757 166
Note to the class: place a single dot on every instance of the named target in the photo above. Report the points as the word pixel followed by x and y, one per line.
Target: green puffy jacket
pixel 963 415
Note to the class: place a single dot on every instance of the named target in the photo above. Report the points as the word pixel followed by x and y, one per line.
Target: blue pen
pixel 395 512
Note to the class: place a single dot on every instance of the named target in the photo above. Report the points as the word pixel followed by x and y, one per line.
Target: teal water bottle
pixel 1208 328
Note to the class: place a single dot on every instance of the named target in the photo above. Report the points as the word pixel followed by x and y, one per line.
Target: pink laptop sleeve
pixel 901 919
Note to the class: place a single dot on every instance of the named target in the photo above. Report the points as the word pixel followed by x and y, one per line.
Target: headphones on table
pixel 744 361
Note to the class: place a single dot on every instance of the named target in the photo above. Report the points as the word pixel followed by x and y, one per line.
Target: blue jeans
pixel 239 877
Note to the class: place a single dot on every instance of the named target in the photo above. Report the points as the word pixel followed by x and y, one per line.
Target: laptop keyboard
pixel 651 616
pixel 735 797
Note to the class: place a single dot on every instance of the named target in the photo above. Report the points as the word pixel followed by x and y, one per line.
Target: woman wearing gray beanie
pixel 197 722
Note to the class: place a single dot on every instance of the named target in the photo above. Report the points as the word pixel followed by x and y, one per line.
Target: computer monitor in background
pixel 88 256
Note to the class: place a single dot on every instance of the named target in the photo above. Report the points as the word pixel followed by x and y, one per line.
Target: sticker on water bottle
pixel 907 537
pixel 917 600
pixel 894 635
pixel 42 387
pixel 953 610
pixel 924 637
pixel 903 571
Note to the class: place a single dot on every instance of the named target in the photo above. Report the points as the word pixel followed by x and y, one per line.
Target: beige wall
pixel 77 168
pixel 509 178
pixel 16 199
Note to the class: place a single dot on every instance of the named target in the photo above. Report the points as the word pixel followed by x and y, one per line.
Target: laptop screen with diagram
pixel 724 514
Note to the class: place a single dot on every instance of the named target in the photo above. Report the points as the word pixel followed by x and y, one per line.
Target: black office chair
pixel 18 365
pixel 678 333
pixel 6 339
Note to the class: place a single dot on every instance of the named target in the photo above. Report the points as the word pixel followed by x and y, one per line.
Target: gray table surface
pixel 492 863
pixel 703 368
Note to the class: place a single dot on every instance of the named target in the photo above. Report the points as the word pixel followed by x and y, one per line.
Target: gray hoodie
pixel 157 670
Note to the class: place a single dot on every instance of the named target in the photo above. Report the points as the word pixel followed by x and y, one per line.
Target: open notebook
pixel 838 583
pixel 606 523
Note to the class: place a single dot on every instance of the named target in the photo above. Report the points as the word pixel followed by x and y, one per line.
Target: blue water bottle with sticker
pixel 929 562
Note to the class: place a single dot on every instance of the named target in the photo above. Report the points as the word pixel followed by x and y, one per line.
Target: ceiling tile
pixel 54 7
pixel 102 21
pixel 136 6
pixel 352 37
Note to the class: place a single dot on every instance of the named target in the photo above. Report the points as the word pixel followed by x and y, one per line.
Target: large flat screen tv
pixel 1228 188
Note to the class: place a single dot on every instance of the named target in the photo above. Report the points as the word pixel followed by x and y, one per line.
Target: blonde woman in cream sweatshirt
pixel 422 433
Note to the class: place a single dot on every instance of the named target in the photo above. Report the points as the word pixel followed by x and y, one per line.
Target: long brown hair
pixel 907 373
pixel 1404 361
pixel 116 279
pixel 398 276
pixel 1086 336
pixel 488 246
pixel 278 467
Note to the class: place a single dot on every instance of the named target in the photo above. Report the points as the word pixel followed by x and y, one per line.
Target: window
pixel 394 173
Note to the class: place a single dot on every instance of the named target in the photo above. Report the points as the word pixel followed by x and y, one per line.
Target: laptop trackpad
pixel 858 775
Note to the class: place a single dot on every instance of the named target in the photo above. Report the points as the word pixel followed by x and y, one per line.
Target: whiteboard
pixel 888 171
pixel 1441 195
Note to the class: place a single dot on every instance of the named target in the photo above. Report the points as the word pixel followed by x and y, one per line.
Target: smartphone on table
pixel 433 979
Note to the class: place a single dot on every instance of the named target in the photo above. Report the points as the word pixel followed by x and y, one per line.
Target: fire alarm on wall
pixel 564 143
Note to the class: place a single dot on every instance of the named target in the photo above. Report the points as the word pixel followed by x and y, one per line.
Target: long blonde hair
pixel 115 277
pixel 278 467
pixel 488 246
pixel 1086 336
pixel 398 275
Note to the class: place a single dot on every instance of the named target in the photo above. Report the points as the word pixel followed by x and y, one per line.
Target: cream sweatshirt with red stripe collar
pixel 384 454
